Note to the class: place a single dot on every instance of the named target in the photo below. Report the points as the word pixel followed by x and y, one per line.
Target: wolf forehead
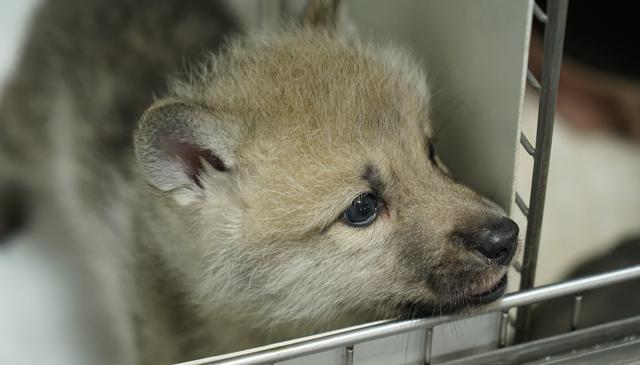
pixel 309 82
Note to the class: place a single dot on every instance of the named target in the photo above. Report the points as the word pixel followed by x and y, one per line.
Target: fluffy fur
pixel 223 218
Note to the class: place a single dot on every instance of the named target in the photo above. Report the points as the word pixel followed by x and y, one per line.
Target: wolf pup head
pixel 299 178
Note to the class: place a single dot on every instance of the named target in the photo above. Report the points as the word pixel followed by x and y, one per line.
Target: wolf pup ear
pixel 178 144
pixel 329 14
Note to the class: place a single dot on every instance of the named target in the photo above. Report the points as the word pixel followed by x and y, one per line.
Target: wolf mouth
pixel 493 294
pixel 421 310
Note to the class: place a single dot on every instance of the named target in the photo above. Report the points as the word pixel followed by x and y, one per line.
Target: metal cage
pixel 597 342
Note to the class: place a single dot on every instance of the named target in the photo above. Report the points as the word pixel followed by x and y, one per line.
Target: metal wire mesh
pixel 349 337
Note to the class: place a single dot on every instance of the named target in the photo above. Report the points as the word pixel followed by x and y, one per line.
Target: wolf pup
pixel 285 185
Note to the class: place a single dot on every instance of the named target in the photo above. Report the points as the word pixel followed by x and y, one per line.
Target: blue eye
pixel 362 211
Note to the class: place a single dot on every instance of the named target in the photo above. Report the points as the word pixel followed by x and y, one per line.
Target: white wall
pixel 14 15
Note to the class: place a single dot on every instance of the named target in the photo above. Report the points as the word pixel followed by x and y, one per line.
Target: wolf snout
pixel 496 241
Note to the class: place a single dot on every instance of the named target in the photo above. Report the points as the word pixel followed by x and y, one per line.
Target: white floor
pixel 48 314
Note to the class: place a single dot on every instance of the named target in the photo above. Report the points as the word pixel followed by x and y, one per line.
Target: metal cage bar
pixel 349 337
pixel 555 21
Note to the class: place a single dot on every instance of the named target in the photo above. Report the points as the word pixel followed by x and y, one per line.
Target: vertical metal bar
pixel 504 325
pixel 428 345
pixel 575 314
pixel 552 59
pixel 348 359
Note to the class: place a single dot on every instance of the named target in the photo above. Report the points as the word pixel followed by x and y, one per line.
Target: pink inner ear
pixel 192 158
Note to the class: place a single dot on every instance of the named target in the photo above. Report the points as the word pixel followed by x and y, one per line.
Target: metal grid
pixel 347 338
pixel 554 24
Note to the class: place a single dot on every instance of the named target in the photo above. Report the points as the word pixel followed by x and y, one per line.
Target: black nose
pixel 496 241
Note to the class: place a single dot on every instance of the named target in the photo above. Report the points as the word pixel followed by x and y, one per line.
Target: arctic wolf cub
pixel 246 191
